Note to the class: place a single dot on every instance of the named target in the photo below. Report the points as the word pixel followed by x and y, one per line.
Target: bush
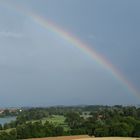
pixel 136 132
pixel 101 132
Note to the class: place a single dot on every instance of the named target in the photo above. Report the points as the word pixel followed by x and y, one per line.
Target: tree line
pixel 99 121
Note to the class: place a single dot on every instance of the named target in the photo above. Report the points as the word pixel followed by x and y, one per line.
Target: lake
pixel 7 120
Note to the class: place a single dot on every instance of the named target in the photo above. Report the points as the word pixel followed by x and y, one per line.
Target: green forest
pixel 98 121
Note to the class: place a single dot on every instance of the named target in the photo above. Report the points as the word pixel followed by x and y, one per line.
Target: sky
pixel 40 68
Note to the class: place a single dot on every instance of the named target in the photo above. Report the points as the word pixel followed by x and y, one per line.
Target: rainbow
pixel 73 40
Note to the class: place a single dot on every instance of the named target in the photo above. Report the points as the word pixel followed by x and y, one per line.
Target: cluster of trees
pixel 24 116
pixel 8 112
pixel 109 121
pixel 32 114
pixel 32 130
pixel 37 130
pixel 11 135
pixel 126 127
pixel 99 121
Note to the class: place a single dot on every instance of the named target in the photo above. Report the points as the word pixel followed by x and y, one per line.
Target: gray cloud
pixel 39 67
pixel 9 34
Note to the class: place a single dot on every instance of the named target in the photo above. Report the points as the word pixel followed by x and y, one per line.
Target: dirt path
pixel 62 138
pixel 110 138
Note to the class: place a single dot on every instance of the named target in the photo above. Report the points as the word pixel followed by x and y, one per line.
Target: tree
pixel 101 132
pixel 13 134
pixel 136 131
pixel 120 129
pixel 74 120
pixel 0 127
pixel 6 126
pixel 59 131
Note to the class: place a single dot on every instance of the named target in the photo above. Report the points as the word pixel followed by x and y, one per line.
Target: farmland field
pixel 109 138
pixel 62 138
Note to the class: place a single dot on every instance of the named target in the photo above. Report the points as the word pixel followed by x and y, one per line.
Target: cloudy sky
pixel 39 67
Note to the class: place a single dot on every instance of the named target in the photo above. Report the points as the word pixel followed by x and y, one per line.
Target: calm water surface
pixel 7 120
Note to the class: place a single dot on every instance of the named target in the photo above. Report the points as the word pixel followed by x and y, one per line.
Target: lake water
pixel 7 120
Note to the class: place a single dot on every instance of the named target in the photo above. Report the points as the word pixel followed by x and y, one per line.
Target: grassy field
pixel 7 130
pixel 56 120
